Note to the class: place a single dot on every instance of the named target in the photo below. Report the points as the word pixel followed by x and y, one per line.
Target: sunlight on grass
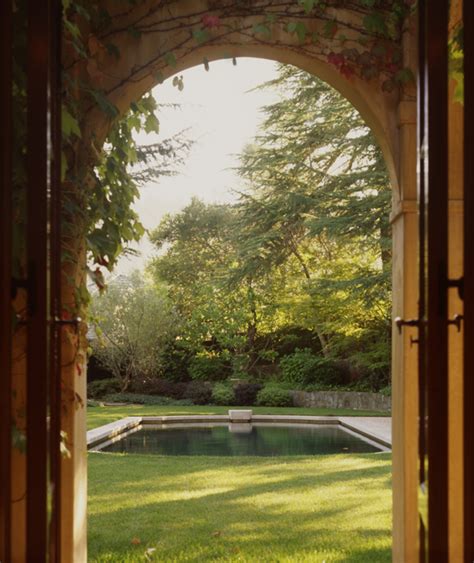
pixel 197 509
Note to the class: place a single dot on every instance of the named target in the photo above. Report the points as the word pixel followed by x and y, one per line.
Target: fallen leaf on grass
pixel 136 541
pixel 149 552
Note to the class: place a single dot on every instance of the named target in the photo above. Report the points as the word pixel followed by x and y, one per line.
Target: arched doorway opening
pixel 225 497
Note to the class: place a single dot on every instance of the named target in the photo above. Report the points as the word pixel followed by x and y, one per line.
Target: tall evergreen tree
pixel 318 193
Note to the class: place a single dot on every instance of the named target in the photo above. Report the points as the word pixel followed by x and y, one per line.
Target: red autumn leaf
pixel 210 21
pixel 336 59
pixel 393 68
pixel 346 71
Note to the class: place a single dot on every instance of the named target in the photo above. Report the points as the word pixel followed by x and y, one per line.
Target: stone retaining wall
pixel 342 400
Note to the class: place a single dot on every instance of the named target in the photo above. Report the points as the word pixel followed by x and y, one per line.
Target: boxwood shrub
pixel 246 393
pixel 101 387
pixel 273 396
pixel 138 399
pixel 223 394
pixel 199 392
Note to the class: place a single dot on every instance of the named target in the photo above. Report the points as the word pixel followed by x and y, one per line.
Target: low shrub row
pixel 138 399
pixel 202 393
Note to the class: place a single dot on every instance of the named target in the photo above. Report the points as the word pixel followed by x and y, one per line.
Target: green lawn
pixel 96 416
pixel 199 509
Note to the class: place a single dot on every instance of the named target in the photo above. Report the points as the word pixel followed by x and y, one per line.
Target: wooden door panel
pixel 433 259
pixel 468 285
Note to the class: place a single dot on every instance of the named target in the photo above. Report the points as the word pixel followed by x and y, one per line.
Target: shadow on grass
pixel 333 508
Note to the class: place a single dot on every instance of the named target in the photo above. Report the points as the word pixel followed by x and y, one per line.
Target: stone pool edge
pixel 369 427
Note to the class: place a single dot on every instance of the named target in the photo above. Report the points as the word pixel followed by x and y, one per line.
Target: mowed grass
pixel 97 416
pixel 196 509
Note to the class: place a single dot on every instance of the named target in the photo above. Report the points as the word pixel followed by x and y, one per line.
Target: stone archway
pixel 154 40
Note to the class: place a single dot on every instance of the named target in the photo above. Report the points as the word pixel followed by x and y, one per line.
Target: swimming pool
pixel 240 439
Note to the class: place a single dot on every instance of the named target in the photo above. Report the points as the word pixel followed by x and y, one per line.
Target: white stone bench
pixel 240 415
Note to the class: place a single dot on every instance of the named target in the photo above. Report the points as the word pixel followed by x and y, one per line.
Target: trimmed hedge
pixel 223 394
pixel 102 387
pixel 273 396
pixel 199 392
pixel 161 387
pixel 139 399
pixel 246 393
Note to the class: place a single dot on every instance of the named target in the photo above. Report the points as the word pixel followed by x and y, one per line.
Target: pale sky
pixel 223 117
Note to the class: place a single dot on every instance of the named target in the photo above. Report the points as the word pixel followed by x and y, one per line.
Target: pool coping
pixel 364 426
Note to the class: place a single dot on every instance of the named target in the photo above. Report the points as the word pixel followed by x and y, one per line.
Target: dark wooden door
pixel 30 270
pixel 433 287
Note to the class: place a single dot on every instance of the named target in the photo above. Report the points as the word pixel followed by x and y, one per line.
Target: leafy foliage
pixel 223 394
pixel 317 202
pixel 98 389
pixel 121 169
pixel 134 324
pixel 304 368
pixel 199 392
pixel 159 386
pixel 246 393
pixel 136 398
pixel 307 246
pixel 208 367
pixel 273 396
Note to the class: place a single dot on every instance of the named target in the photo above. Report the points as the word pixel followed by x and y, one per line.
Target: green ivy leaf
pixel 69 124
pixel 73 29
pixel 104 103
pixel 113 50
pixel 375 23
pixel 134 32
pixel 63 166
pixel 152 125
pixel 158 75
pixel 330 29
pixel 308 5
pixel 261 28
pixel 299 28
pixel 178 82
pixel 170 59
pixel 200 35
pixel 404 76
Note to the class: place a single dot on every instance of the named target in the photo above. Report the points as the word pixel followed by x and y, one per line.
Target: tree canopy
pixel 306 245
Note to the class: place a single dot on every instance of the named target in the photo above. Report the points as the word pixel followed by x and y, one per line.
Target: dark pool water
pixel 242 440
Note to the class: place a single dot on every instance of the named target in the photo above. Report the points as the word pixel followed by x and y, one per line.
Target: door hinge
pixel 457 283
pixel 400 323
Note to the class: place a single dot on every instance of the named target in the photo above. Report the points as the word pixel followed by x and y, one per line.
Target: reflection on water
pixel 247 440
